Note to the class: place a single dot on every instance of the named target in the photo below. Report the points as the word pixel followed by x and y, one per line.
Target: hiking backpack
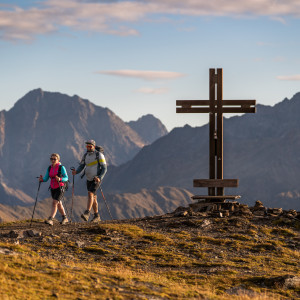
pixel 66 183
pixel 98 149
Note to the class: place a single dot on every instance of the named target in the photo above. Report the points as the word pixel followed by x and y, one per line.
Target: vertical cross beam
pixel 220 191
pixel 216 129
pixel 212 130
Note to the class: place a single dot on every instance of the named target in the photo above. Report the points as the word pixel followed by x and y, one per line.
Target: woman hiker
pixel 59 176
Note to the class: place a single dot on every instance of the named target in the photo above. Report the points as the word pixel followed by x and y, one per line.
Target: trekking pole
pixel 72 168
pixel 105 202
pixel 35 201
pixel 64 202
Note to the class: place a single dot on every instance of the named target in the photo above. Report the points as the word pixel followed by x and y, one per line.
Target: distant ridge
pixel 261 150
pixel 149 128
pixel 122 206
pixel 41 123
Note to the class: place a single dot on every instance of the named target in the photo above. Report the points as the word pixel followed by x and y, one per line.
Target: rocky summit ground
pixel 192 253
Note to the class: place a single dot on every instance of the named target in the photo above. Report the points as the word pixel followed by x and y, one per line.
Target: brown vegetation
pixel 173 256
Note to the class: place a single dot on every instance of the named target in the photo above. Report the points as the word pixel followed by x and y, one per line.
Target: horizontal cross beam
pixel 228 106
pixel 216 182
pixel 204 197
pixel 207 102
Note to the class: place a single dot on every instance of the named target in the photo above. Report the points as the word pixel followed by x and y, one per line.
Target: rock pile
pixel 234 208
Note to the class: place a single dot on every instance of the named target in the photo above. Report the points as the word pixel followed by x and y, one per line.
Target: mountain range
pixel 261 150
pixel 41 123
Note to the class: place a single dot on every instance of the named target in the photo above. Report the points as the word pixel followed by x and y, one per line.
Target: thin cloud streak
pixel 146 75
pixel 117 17
pixel 289 77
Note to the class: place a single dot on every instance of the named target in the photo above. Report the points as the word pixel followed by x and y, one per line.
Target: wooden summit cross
pixel 215 106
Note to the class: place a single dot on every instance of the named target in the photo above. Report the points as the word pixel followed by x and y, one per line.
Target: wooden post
pixel 220 191
pixel 212 130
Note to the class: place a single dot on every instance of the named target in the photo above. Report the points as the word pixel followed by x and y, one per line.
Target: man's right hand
pixel 74 172
pixel 41 178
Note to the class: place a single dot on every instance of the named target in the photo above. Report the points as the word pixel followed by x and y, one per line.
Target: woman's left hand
pixel 57 178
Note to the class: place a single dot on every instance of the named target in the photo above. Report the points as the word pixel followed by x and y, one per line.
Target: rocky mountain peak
pixel 149 128
pixel 44 122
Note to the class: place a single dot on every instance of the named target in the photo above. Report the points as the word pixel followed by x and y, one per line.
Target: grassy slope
pixel 151 258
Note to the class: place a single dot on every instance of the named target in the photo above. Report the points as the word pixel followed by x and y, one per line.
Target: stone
pixel 31 233
pixel 205 223
pixel 290 216
pixel 54 236
pixel 240 291
pixel 79 244
pixel 258 212
pixel 7 251
pixel 243 206
pixel 285 281
pixel 181 213
pixel 258 203
pixel 225 213
pixel 179 209
pixel 197 207
pixel 14 234
pixel 293 212
pixel 244 209
pixel 292 282
pixel 189 223
pixel 275 211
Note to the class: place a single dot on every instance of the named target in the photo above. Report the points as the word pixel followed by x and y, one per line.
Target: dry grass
pixel 133 261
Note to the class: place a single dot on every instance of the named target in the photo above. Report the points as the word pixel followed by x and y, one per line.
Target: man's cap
pixel 91 142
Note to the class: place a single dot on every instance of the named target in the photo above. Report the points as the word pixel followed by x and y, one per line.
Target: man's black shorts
pixel 57 194
pixel 92 186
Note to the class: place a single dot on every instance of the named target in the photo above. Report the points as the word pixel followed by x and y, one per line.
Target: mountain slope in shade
pixel 149 128
pixel 42 123
pixel 10 196
pixel 261 150
pixel 122 206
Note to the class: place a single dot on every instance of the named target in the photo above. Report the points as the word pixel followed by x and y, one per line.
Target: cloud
pixel 119 17
pixel 23 24
pixel 156 91
pixel 146 75
pixel 289 77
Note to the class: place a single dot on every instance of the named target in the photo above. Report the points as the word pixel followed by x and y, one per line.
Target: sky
pixel 138 57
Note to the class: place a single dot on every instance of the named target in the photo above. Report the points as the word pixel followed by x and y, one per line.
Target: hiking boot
pixel 85 216
pixel 64 220
pixel 96 218
pixel 49 221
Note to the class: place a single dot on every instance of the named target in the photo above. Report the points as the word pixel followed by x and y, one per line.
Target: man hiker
pixel 95 168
